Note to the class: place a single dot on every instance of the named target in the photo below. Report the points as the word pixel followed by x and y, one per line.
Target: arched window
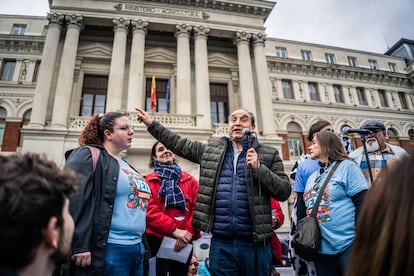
pixel 411 135
pixel 25 121
pixel 295 140
pixel 3 115
pixel 392 137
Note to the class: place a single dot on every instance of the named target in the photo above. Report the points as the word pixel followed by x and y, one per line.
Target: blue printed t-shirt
pixel 307 167
pixel 336 212
pixel 131 201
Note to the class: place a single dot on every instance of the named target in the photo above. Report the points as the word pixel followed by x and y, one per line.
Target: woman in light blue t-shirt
pixel 341 201
pixel 109 209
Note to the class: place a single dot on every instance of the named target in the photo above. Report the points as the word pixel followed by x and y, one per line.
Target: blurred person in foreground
pixel 110 208
pixel 339 207
pixel 36 227
pixel 171 208
pixel 384 243
pixel 226 199
pixel 380 153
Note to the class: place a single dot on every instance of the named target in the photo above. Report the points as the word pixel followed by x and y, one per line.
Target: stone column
pixel 116 71
pixel 136 93
pixel 64 84
pixel 246 89
pixel 263 86
pixel 183 69
pixel 202 85
pixel 44 82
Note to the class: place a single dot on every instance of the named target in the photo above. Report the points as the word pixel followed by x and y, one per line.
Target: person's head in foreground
pixel 36 227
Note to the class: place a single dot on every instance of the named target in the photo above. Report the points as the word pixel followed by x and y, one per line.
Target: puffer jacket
pixel 270 179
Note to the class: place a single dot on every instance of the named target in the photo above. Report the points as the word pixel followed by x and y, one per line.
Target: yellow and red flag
pixel 153 94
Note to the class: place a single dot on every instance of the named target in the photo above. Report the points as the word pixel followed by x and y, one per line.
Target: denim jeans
pixel 331 265
pixel 235 257
pixel 124 260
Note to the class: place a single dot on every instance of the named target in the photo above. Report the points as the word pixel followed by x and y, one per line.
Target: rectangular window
pixel 161 93
pixel 382 98
pixel 7 70
pixel 18 29
pixel 287 89
pixel 281 52
pixel 403 100
pixel 93 95
pixel 313 91
pixel 36 71
pixel 352 61
pixel 45 29
pixel 330 58
pixel 306 55
pixel 392 67
pixel 219 103
pixel 373 64
pixel 361 96
pixel 338 94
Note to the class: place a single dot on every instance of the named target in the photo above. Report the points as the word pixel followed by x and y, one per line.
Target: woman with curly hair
pixel 110 208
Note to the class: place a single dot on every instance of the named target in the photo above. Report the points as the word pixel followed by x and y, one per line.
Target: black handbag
pixel 307 238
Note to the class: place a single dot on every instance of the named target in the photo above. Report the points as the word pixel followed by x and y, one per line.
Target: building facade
pixel 211 57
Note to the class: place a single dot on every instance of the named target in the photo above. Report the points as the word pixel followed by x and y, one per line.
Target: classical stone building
pixel 89 57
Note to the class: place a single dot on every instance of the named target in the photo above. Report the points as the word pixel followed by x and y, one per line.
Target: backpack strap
pixel 95 155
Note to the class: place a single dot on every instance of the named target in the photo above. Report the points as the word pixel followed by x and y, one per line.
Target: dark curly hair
pixel 93 132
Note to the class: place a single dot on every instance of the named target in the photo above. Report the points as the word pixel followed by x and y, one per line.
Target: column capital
pixel 182 29
pixel 201 31
pixel 139 25
pixel 242 37
pixel 55 18
pixel 120 23
pixel 74 20
pixel 259 39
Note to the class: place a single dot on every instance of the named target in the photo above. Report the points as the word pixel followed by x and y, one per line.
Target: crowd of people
pixel 100 216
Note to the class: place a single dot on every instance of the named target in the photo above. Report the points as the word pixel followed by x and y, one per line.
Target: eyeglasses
pixel 194 263
pixel 125 128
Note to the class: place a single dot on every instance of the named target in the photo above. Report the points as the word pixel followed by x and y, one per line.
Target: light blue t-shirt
pixel 336 214
pixel 307 167
pixel 131 201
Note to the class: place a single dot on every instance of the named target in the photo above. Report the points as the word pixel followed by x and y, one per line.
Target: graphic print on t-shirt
pixel 140 192
pixel 324 211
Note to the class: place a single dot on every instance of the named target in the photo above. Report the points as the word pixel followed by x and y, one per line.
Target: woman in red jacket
pixel 171 208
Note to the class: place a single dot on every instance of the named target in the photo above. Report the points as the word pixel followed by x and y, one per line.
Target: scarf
pixel 170 174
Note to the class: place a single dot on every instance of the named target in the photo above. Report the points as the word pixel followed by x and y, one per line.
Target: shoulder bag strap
pixel 318 200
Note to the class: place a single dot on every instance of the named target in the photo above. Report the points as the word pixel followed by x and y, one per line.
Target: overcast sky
pixel 368 25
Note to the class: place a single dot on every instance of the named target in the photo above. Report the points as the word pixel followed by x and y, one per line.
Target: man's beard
pixel 62 253
pixel 372 145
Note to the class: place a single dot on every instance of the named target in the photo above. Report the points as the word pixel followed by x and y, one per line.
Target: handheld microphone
pixel 246 132
pixel 361 131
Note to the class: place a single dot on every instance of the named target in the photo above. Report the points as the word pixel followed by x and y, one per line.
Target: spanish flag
pixel 153 94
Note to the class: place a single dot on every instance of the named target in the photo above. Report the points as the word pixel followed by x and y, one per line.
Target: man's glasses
pixel 194 263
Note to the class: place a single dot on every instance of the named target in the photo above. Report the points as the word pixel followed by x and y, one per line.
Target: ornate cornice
pixel 336 71
pixel 254 7
pixel 22 44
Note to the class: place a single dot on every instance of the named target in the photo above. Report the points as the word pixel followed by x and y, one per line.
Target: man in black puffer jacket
pixel 226 200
